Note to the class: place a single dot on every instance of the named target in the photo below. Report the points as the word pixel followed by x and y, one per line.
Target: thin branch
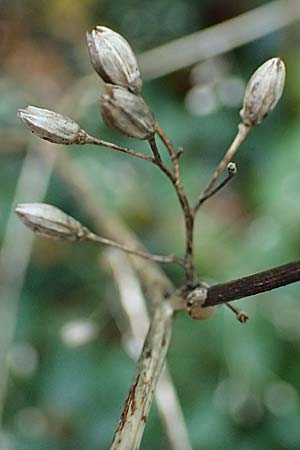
pixel 159 162
pixel 172 152
pixel 253 284
pixel 240 315
pixel 157 158
pixel 157 258
pixel 134 329
pixel 185 206
pixel 243 130
pixel 92 140
pixel 151 275
pixel 175 162
pixel 134 416
pixel 232 170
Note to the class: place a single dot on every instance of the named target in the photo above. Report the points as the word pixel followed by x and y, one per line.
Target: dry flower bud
pixel 127 113
pixel 263 91
pixel 50 222
pixel 52 126
pixel 113 59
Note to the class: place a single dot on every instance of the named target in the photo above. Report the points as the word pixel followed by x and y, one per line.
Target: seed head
pixel 263 91
pixel 127 113
pixel 113 59
pixel 52 126
pixel 50 222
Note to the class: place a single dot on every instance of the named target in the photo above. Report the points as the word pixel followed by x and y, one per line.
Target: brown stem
pixel 158 258
pixel 185 206
pixel 243 130
pixel 253 284
pixel 92 140
pixel 157 158
pixel 172 152
pixel 189 251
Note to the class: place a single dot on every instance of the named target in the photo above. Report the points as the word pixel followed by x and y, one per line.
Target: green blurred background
pixel 238 385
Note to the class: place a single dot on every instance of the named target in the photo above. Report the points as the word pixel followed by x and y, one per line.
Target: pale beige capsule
pixel 51 126
pixel 263 91
pixel 50 222
pixel 127 113
pixel 113 59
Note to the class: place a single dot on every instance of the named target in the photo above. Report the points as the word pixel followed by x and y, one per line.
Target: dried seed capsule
pixel 113 59
pixel 50 222
pixel 263 91
pixel 52 126
pixel 127 113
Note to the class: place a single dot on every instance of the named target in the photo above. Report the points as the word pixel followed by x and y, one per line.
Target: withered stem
pixel 137 405
pixel 134 327
pixel 240 315
pixel 157 158
pixel 172 152
pixel 243 130
pixel 253 284
pixel 205 197
pixel 157 258
pixel 185 206
pixel 92 140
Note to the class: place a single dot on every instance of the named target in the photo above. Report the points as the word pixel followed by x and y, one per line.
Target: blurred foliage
pixel 239 385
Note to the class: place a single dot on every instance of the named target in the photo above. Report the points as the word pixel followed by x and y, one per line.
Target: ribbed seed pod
pixel 51 126
pixel 263 92
pixel 50 222
pixel 113 59
pixel 127 113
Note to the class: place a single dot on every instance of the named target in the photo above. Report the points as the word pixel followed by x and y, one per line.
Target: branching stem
pixel 243 130
pixel 175 179
pixel 201 200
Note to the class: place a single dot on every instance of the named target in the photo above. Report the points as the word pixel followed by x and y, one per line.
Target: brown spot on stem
pixel 144 418
pixel 133 407
pixel 130 406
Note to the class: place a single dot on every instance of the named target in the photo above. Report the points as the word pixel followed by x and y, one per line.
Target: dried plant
pixel 124 110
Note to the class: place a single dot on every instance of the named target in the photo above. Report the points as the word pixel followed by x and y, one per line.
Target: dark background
pixel 238 385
